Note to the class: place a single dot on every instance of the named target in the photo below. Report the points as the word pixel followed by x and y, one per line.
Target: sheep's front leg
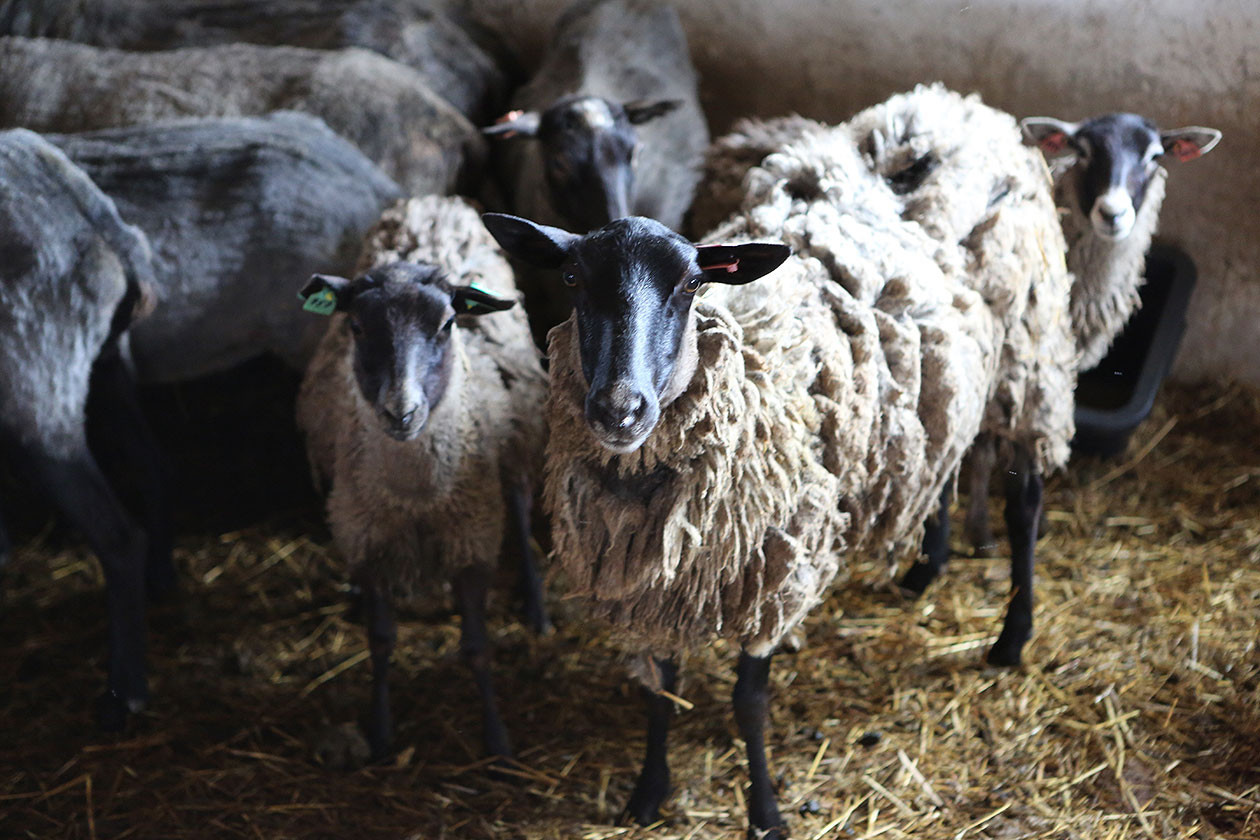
pixel 981 461
pixel 378 614
pixel 121 435
pixel 76 485
pixel 935 551
pixel 652 787
pixel 470 598
pixel 1023 514
pixel 751 700
pixel 520 501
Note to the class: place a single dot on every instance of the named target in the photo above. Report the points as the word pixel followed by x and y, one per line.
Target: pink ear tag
pixel 731 267
pixel 1054 143
pixel 510 116
pixel 1184 150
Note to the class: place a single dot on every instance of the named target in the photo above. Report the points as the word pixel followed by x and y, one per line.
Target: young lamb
pixel 1109 187
pixel 422 34
pixel 72 275
pixel 423 409
pixel 610 125
pixel 234 209
pixel 385 109
pixel 713 458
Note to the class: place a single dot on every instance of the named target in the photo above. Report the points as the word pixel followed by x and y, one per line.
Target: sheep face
pixel 633 283
pixel 1116 156
pixel 403 319
pixel 588 147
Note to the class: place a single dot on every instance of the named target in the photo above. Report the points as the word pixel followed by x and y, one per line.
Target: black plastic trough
pixel 1117 395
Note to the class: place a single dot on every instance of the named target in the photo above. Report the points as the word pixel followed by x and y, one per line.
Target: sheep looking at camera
pixel 710 464
pixel 423 411
pixel 382 107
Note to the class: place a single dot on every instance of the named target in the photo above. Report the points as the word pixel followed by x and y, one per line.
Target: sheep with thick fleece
pixel 423 411
pixel 384 108
pixel 72 274
pixel 709 466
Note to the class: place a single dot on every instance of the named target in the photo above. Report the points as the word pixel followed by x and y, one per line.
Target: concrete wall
pixel 1178 61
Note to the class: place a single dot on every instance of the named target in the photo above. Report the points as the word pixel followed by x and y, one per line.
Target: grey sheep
pixel 72 275
pixel 385 109
pixel 423 34
pixel 423 410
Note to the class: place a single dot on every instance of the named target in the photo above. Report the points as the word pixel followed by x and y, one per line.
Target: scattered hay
pixel 1137 716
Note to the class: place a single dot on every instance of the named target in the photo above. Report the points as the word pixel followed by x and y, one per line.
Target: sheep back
pixel 385 109
pixel 238 212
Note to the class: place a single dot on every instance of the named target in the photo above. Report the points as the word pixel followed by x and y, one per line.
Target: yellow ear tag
pixel 323 302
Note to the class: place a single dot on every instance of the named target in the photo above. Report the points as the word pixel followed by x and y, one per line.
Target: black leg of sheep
pixel 76 485
pixel 378 614
pixel 652 786
pixel 982 459
pixel 935 551
pixel 751 700
pixel 124 444
pixel 470 599
pixel 1023 516
pixel 530 585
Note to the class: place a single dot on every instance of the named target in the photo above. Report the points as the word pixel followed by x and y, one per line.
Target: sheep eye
pixel 450 322
pixel 355 327
pixel 692 285
pixel 570 279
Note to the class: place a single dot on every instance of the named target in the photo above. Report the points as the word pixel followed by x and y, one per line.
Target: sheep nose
pixel 399 421
pixel 617 409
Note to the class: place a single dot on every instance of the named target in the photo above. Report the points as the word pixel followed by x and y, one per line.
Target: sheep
pixel 419 33
pixel 609 125
pixel 1109 187
pixel 234 210
pixel 713 459
pixel 72 276
pixel 423 410
pixel 385 109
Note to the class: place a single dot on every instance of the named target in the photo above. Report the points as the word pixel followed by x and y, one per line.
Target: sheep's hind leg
pixel 121 436
pixel 935 551
pixel 530 585
pixel 652 786
pixel 981 461
pixel 751 701
pixel 382 632
pixel 76 485
pixel 1023 514
pixel 470 598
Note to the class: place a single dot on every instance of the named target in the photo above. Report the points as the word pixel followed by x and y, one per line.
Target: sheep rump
pixel 836 397
pixel 417 512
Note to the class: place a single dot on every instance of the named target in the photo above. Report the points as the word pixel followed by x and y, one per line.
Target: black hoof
pixel 540 625
pixel 644 807
pixel 917 579
pixel 112 711
pixel 1005 653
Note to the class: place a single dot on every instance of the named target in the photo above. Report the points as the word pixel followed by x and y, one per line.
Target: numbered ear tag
pixel 469 303
pixel 323 302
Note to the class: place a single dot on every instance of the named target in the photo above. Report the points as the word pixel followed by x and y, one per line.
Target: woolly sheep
pixel 72 274
pixel 385 109
pixel 709 466
pixel 419 33
pixel 427 422
pixel 1109 187
pixel 610 125
pixel 235 210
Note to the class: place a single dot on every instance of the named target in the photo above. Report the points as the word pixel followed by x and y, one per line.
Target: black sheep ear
pixel 642 111
pixel 524 123
pixel 541 246
pixel 739 264
pixel 469 300
pixel 325 294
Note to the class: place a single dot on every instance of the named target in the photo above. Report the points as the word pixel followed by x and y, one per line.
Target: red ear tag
pixel 1184 150
pixel 731 267
pixel 509 117
pixel 1054 143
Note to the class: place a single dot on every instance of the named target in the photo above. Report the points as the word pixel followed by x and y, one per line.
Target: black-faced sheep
pixel 713 458
pixel 423 410
pixel 235 211
pixel 71 275
pixel 610 125
pixel 385 109
pixel 1109 188
pixel 422 34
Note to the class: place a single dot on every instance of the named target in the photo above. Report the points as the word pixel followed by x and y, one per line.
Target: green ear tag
pixel 323 302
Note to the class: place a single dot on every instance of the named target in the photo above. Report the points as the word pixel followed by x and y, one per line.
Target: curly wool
pixel 834 399
pixel 419 511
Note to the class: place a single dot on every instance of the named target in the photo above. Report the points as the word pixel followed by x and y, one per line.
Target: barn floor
pixel 1137 714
